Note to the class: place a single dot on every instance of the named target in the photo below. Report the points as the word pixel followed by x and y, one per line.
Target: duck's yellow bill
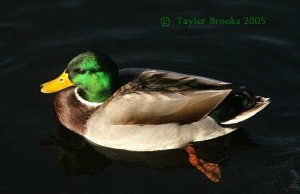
pixel 57 84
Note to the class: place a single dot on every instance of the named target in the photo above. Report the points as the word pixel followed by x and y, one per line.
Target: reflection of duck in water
pixel 80 157
pixel 148 110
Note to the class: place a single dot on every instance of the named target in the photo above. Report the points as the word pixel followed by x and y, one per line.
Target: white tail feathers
pixel 261 103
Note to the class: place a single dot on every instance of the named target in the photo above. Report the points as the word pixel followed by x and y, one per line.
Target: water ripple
pixel 266 39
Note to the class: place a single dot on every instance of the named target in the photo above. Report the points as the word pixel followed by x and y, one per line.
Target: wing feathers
pixel 150 108
pixel 158 97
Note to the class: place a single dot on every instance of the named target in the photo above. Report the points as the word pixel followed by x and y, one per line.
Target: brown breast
pixel 71 112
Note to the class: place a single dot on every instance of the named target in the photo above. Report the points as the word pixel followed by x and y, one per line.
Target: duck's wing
pixel 158 97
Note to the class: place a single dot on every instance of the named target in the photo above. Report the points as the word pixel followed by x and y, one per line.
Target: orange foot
pixel 210 170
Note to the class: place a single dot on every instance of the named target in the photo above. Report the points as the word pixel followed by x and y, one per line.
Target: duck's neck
pixel 95 95
pixel 99 88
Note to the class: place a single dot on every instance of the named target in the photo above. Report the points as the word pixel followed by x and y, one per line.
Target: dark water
pixel 38 39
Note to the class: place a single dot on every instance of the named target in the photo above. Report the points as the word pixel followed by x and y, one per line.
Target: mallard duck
pixel 147 109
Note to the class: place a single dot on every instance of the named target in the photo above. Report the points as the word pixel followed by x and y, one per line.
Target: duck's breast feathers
pixel 159 97
pixel 72 112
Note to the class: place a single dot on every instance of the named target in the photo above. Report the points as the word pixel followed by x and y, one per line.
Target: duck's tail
pixel 238 106
pixel 260 103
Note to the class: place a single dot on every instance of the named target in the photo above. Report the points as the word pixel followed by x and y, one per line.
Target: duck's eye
pixel 79 71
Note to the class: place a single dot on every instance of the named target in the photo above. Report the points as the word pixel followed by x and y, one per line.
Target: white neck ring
pixel 85 102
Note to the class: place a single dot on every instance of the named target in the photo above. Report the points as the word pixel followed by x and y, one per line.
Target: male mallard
pixel 148 110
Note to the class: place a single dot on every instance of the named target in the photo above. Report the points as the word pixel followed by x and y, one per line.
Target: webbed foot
pixel 210 170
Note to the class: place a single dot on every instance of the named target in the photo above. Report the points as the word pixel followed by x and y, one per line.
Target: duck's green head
pixel 95 75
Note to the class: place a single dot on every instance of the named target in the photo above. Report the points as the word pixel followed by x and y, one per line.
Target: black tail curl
pixel 239 100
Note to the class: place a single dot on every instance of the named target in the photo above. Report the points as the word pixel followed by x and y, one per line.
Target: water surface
pixel 38 39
